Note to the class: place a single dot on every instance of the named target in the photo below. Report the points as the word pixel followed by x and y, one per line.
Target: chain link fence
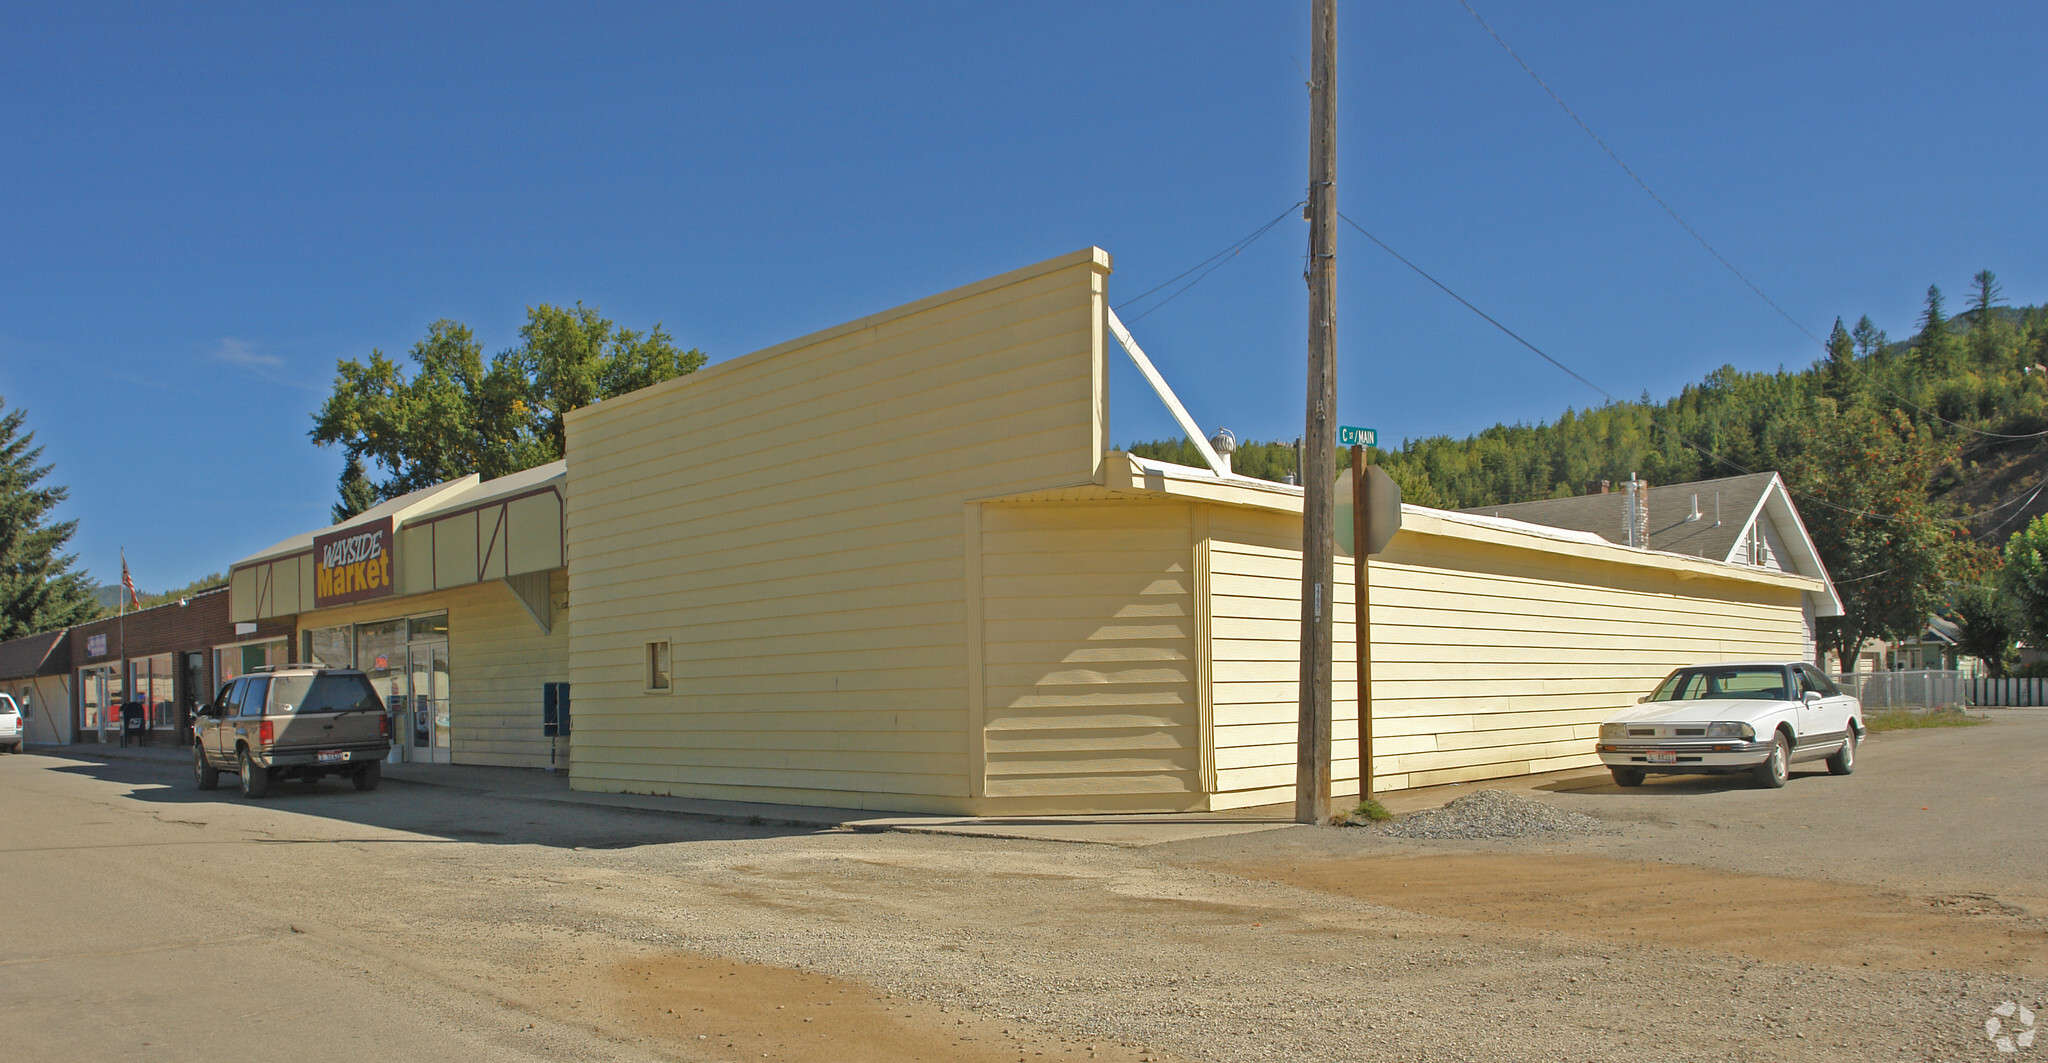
pixel 1923 689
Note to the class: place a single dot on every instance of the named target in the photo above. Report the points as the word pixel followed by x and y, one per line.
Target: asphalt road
pixel 1878 916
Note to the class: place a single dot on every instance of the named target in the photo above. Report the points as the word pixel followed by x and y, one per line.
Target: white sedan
pixel 1710 719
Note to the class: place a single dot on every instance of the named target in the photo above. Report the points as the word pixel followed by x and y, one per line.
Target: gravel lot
pixel 1880 917
pixel 1496 814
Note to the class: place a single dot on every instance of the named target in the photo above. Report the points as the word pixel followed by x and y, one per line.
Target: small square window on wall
pixel 657 667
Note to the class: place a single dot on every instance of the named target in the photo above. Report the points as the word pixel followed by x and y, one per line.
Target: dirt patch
pixel 709 1008
pixel 1683 906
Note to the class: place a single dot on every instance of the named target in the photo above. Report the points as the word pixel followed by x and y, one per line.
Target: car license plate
pixel 331 756
pixel 1663 758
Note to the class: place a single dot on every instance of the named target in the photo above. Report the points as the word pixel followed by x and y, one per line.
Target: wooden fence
pixel 1937 689
pixel 1987 691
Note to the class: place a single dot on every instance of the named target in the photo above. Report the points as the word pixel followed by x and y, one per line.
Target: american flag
pixel 128 582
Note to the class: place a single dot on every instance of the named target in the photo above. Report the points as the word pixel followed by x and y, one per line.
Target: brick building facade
pixel 167 658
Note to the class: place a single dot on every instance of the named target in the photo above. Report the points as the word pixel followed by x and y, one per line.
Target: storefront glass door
pixel 429 688
pixel 407 662
pixel 99 701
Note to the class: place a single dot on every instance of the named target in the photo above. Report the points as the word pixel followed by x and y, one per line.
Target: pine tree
pixel 1935 347
pixel 1989 334
pixel 357 492
pixel 1932 319
pixel 1869 338
pixel 1839 379
pixel 39 590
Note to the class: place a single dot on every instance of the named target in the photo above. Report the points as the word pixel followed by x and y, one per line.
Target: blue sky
pixel 207 205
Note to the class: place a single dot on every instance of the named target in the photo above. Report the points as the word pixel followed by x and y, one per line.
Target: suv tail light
pixel 384 726
pixel 264 734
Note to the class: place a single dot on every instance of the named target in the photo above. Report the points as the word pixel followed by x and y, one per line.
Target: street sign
pixel 1348 436
pixel 1382 507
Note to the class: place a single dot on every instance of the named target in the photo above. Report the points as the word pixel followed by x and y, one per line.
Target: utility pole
pixel 1319 459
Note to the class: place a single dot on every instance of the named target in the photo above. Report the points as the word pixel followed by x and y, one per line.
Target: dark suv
pixel 294 722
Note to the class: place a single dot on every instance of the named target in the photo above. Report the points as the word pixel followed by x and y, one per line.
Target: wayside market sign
pixel 353 564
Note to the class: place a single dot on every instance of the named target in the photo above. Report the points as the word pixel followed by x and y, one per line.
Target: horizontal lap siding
pixel 791 522
pixel 1488 661
pixel 1089 656
pixel 498 659
pixel 1255 635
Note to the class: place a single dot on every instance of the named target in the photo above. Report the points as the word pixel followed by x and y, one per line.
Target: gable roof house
pixel 1739 520
pixel 35 671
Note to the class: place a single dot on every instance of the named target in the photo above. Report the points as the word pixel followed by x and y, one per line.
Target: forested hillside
pixel 1912 461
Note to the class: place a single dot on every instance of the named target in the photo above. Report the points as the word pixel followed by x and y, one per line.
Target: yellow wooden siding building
pixel 893 565
pixel 468 631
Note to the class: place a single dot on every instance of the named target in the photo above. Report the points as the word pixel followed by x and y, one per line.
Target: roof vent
pixel 1224 443
pixel 1695 514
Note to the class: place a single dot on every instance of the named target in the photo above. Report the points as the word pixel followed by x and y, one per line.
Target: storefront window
pixel 232 661
pixel 428 627
pixel 331 647
pixel 380 653
pixel 151 680
pixel 99 697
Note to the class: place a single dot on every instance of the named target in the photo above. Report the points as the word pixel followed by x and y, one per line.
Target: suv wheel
pixel 205 774
pixel 369 775
pixel 255 780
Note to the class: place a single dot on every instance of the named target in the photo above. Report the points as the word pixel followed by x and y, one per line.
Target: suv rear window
pixel 322 693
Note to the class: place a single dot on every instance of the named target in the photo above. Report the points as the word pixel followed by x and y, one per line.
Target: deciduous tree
pixel 1989 625
pixel 1862 481
pixel 2025 576
pixel 456 413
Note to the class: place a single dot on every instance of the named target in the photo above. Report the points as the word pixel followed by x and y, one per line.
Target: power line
pixel 1710 249
pixel 1994 529
pixel 1575 375
pixel 1220 259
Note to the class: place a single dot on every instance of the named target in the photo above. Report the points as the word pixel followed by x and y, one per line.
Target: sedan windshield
pixel 1694 684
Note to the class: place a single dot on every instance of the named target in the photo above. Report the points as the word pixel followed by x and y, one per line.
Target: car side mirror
pixel 1810 697
pixel 1644 700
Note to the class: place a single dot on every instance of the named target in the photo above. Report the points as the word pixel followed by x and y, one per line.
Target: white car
pixel 11 729
pixel 1759 717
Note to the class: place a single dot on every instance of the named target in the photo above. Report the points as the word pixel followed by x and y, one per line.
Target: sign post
pixel 1361 617
pixel 1368 515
